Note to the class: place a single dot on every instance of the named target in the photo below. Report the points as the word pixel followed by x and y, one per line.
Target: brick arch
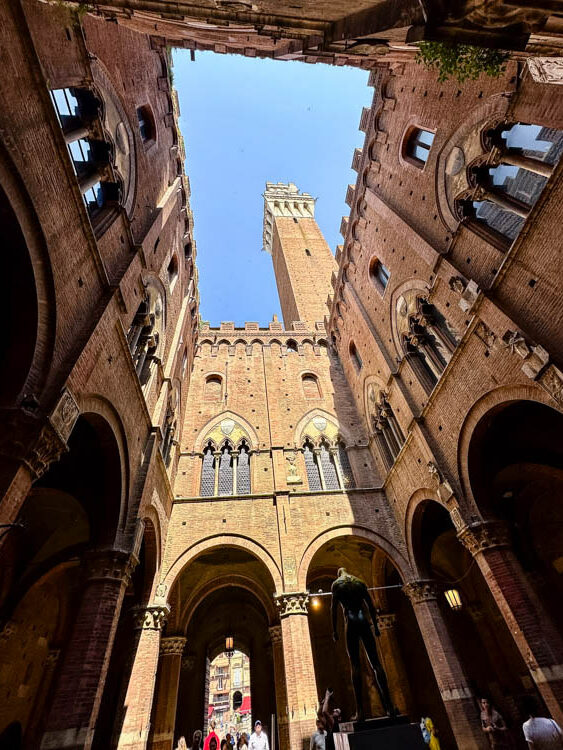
pixel 250 431
pixel 362 532
pixel 482 406
pixel 413 514
pixel 224 540
pixel 95 404
pixel 151 514
pixel 245 582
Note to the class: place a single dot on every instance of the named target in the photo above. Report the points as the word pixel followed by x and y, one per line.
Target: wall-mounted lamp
pixel 453 598
pixel 229 646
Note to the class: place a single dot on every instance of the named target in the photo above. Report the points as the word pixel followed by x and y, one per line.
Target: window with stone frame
pixel 147 128
pixel 243 470
pixel 330 475
pixel 387 432
pixel 379 274
pixel 313 476
pixel 355 357
pixel 207 488
pixel 311 386
pixel 225 484
pixel 417 145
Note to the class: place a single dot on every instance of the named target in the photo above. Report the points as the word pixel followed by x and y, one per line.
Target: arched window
pixel 172 272
pixel 291 347
pixel 311 386
pixel 355 357
pixel 312 468
pixel 143 337
pixel 379 275
pixel 345 467
pixel 388 434
pixel 243 470
pixel 429 344
pixel 225 485
pixel 417 145
pixel 213 388
pixel 328 468
pixel 184 363
pixel 207 488
pixel 147 127
pixel 78 111
pixel 237 700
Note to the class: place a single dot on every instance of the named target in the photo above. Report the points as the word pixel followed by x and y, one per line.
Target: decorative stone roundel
pixel 455 161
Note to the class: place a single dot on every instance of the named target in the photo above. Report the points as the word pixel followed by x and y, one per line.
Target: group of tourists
pixel 540 733
pixel 258 740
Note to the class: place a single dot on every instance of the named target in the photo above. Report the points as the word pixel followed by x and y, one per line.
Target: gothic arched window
pixel 225 485
pixel 143 336
pixel 243 470
pixel 328 468
pixel 207 488
pixel 345 467
pixel 311 466
pixel 388 434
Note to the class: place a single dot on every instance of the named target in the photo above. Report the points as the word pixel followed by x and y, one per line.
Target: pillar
pixel 534 633
pixel 134 724
pixel 526 162
pixel 459 701
pixel 279 680
pixel 505 201
pixel 301 687
pixel 80 683
pixel 166 693
pixel 393 664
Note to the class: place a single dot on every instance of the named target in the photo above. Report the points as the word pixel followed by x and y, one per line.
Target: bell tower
pixel 303 262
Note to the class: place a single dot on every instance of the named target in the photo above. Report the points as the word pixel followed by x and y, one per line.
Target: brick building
pixel 166 483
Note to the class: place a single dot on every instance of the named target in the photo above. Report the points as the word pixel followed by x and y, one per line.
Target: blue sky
pixel 248 121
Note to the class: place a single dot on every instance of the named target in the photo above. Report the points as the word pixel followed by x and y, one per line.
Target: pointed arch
pixel 205 433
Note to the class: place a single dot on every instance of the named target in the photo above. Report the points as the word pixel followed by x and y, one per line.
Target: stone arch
pixel 224 540
pixel 410 285
pixel 25 372
pixel 396 557
pixel 413 515
pixel 246 427
pixel 155 291
pixel 95 404
pixel 151 514
pixel 299 432
pixel 495 397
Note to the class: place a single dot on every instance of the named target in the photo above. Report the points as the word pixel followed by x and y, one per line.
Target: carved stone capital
pixel 48 447
pixel 483 536
pixel 172 646
pixel 276 634
pixel 110 564
pixel 292 604
pixel 152 617
pixel 421 591
pixel 386 621
pixel 552 381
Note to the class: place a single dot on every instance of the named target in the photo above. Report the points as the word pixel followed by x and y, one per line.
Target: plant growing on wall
pixel 463 62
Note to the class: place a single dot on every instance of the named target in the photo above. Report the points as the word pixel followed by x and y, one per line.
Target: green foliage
pixel 461 61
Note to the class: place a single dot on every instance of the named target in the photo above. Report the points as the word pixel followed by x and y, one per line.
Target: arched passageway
pixel 401 648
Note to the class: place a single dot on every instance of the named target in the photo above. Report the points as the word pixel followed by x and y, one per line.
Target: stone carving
pixel 292 604
pixel 552 381
pixel 276 634
pixel 483 536
pixel 110 564
pixel 469 296
pixel 445 490
pixel 161 590
pixel 320 423
pixel 421 591
pixel 535 357
pixel 457 520
pixel 172 646
pixel 152 617
pixel 546 69
pixel 483 332
pixel 457 284
pixel 47 448
pixel 227 426
pixel 292 475
pixel 64 415
pixel 386 621
pixel 455 161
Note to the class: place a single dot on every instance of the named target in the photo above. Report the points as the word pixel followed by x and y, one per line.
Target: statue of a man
pixel 352 594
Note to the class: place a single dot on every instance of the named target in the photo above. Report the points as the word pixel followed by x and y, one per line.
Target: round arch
pixel 495 397
pixel 223 540
pixel 396 557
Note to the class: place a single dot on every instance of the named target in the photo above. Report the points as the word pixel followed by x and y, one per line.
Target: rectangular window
pixel 419 144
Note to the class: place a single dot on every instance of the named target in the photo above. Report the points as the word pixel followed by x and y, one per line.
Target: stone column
pixel 134 725
pixel 505 201
pixel 166 693
pixel 526 162
pixel 279 679
pixel 80 684
pixel 534 633
pixel 459 701
pixel 301 687
pixel 393 664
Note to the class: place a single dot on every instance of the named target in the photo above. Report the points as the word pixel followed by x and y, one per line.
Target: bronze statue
pixel 352 593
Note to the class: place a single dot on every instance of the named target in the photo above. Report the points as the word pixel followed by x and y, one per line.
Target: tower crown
pixel 284 199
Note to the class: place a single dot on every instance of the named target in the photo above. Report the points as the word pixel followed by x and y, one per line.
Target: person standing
pixel 196 740
pixel 540 733
pixel 331 719
pixel 258 738
pixel 493 725
pixel 318 739
pixel 182 744
pixel 212 735
pixel 243 742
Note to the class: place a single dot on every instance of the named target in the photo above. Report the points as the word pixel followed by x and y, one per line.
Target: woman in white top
pixel 540 733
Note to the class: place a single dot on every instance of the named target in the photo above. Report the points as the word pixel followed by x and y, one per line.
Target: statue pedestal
pixel 379 734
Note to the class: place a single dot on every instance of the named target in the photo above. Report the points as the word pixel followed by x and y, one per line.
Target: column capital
pixel 109 564
pixel 483 536
pixel 151 617
pixel 275 634
pixel 294 603
pixel 172 646
pixel 386 620
pixel 47 448
pixel 421 591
